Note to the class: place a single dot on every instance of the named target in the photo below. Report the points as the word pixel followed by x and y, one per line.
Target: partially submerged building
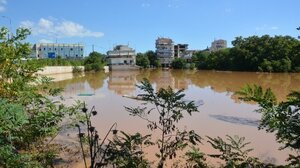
pixel 121 57
pixel 53 50
pixel 180 50
pixel 165 51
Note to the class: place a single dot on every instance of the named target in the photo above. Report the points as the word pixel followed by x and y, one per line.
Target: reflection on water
pixel 124 82
pixel 220 112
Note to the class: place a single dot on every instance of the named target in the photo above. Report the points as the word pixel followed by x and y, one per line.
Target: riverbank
pixel 50 70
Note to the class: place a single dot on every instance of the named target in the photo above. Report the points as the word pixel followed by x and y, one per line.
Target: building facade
pixel 180 50
pixel 121 57
pixel 165 51
pixel 53 50
pixel 218 45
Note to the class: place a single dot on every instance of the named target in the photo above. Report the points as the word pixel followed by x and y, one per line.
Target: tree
pixel 95 61
pixel 254 53
pixel 178 63
pixel 281 118
pixel 29 117
pixel 152 58
pixel 142 60
pixel 170 108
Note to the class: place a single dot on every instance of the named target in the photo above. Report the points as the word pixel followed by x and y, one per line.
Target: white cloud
pixel 2 5
pixel 59 29
pixel 266 27
pixel 45 41
pixel 274 28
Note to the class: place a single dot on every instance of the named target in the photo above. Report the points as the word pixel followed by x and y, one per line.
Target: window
pixel 55 49
pixel 40 49
pixel 44 49
pixel 61 49
pixel 82 49
pixel 71 49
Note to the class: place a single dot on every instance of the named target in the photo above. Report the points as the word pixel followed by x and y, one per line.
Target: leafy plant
pixel 195 158
pixel 97 149
pixel 170 107
pixel 233 152
pixel 127 150
pixel 281 118
pixel 30 115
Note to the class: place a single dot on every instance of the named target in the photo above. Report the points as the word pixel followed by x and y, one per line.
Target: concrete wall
pixel 57 70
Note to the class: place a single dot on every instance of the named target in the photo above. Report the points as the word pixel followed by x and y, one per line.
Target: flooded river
pixel 221 113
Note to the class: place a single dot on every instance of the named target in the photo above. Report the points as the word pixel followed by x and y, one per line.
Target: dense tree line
pixel 147 59
pixel 265 53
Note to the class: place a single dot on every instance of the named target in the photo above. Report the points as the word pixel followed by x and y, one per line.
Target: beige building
pixel 218 45
pixel 121 57
pixel 165 51
pixel 53 50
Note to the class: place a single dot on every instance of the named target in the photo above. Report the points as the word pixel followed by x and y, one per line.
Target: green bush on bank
pixel 94 62
pixel 58 61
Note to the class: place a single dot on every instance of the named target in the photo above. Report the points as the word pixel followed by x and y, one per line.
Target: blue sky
pixel 105 23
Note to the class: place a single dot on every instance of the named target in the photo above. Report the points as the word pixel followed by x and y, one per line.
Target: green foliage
pixel 142 60
pixel 178 63
pixel 170 108
pixel 94 62
pixel 77 69
pixel 28 114
pixel 195 158
pixel 265 53
pixel 233 152
pixel 281 118
pixel 58 61
pixel 147 59
pixel 127 150
pixel 154 61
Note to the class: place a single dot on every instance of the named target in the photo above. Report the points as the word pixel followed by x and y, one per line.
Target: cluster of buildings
pixel 167 51
pixel 122 56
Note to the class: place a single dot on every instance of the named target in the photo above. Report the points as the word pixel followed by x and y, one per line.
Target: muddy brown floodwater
pixel 220 113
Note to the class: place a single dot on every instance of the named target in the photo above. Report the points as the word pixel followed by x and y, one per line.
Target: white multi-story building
pixel 53 50
pixel 218 45
pixel 121 57
pixel 165 51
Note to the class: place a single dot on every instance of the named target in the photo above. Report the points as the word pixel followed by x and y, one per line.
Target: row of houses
pixel 122 56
